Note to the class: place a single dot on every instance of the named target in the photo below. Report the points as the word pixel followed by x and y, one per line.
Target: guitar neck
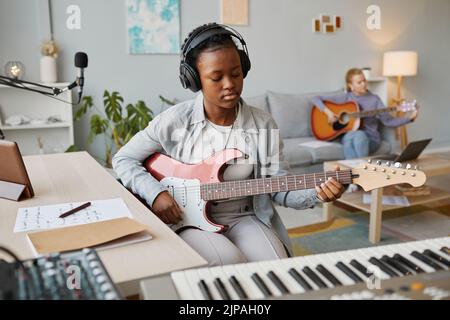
pixel 242 188
pixel 371 113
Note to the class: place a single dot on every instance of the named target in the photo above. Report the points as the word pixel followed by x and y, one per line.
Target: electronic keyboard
pixel 418 270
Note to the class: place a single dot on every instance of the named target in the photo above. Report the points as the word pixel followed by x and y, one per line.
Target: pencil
pixel 72 211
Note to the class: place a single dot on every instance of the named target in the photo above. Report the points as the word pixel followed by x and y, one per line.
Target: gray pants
pixel 247 238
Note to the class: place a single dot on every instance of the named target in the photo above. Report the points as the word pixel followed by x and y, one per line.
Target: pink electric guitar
pixel 193 186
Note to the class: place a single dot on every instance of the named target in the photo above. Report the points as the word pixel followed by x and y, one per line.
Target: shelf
pixel 56 84
pixel 36 126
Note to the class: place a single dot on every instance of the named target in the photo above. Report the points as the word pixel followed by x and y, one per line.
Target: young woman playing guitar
pixel 366 140
pixel 219 119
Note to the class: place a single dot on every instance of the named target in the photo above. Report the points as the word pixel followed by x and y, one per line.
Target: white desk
pixel 68 177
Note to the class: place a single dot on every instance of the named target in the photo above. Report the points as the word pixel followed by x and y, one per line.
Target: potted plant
pixel 49 51
pixel 116 123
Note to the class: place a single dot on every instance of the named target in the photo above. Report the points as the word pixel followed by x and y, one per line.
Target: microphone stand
pixel 20 84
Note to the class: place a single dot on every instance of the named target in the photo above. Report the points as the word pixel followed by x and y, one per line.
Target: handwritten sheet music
pixel 47 217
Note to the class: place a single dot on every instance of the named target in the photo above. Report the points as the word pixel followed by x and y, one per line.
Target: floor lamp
pixel 400 64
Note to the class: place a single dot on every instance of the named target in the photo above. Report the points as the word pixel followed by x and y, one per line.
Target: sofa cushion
pixel 292 112
pixel 259 102
pixel 295 155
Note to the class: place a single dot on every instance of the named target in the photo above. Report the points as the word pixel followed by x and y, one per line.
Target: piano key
pixel 221 288
pixel 282 269
pixel 358 266
pixel 396 265
pixel 238 288
pixel 408 263
pixel 445 250
pixel 278 283
pixel 299 263
pixel 314 277
pixel 345 257
pixel 329 261
pixel 436 257
pixel 221 272
pixel 263 268
pixel 426 260
pixel 205 290
pixel 327 274
pixel 312 261
pixel 405 251
pixel 384 267
pixel 363 256
pixel 247 283
pixel 349 272
pixel 193 280
pixel 182 285
pixel 300 279
pixel 205 275
pixel 261 285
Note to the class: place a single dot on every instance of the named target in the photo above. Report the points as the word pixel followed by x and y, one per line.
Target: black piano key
pixel 395 265
pixel 205 290
pixel 314 277
pixel 445 250
pixel 238 288
pixel 426 260
pixel 261 285
pixel 358 266
pixel 408 263
pixel 221 288
pixel 327 274
pixel 436 257
pixel 383 267
pixel 299 278
pixel 349 272
pixel 278 283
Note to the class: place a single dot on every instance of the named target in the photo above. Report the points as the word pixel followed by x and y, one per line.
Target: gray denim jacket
pixel 173 131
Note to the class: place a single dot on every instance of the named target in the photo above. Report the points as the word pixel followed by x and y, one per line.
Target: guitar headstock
pixel 373 175
pixel 406 106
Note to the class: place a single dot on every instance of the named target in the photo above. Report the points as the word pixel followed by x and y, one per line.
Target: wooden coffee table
pixel 430 164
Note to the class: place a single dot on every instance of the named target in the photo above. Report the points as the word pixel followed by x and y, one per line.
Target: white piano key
pixel 205 274
pixel 290 263
pixel 219 272
pixel 329 262
pixel 363 256
pixel 313 261
pixel 299 263
pixel 282 271
pixel 262 268
pixel 247 282
pixel 193 279
pixel 231 270
pixel 182 285
pixel 407 250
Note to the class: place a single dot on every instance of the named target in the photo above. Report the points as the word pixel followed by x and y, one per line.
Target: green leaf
pixel 86 103
pixel 98 126
pixel 72 148
pixel 113 107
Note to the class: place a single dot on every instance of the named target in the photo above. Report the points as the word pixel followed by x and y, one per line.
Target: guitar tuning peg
pixel 388 164
pixel 408 166
pixel 378 162
pixel 398 165
pixel 416 168
pixel 369 160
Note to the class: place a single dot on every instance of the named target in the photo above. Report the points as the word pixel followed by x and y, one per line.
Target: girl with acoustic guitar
pixel 193 131
pixel 366 140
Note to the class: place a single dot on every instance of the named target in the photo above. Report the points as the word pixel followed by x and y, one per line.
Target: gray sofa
pixel 292 114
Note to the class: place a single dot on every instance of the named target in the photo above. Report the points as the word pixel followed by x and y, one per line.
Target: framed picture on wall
pixel 153 26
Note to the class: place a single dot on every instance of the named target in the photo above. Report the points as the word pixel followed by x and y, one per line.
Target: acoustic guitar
pixel 349 118
pixel 195 186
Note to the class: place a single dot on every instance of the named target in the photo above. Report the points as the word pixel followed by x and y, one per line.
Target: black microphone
pixel 81 62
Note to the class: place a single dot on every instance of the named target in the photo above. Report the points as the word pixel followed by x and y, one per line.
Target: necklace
pixel 215 126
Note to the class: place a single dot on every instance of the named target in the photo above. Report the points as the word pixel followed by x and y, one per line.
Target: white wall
pixel 286 56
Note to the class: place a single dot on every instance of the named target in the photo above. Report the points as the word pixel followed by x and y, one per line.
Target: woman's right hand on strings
pixel 167 209
pixel 332 118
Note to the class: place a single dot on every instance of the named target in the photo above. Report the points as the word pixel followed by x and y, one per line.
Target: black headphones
pixel 188 74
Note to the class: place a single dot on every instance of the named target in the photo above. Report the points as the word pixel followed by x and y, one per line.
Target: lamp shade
pixel 400 63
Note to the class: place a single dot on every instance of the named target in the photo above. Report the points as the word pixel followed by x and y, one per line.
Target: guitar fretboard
pixel 242 188
pixel 370 113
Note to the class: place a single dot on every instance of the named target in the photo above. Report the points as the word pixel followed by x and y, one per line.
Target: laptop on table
pixel 411 152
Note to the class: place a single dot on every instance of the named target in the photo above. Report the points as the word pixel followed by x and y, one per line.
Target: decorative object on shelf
pixel 40 145
pixel 326 24
pixel 17 120
pixel 14 69
pixel 400 64
pixel 234 12
pixel 116 123
pixel 153 26
pixel 366 72
pixel 49 52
